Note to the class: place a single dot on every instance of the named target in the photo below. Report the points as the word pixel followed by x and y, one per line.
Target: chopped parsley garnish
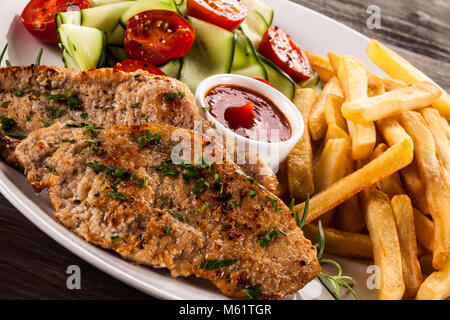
pixel 48 124
pixel 135 105
pixel 6 104
pixel 192 172
pixel 116 239
pixel 217 264
pixel 17 92
pixel 84 115
pixel 68 141
pixel 7 123
pixel 217 177
pixel 254 182
pixel 203 207
pixel 16 134
pixel 96 166
pixel 232 204
pixel 145 117
pixel 166 169
pixel 167 229
pixel 141 182
pixel 300 221
pixel 173 95
pixel 28 118
pixel 239 172
pixel 148 140
pixel 274 203
pixel 117 194
pixel 253 293
pixel 72 100
pixel 176 215
pixel 253 193
pixel 108 107
pixel 272 235
pixel 91 129
pixel 199 186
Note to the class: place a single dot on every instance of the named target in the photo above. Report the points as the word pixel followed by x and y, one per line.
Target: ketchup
pixel 248 113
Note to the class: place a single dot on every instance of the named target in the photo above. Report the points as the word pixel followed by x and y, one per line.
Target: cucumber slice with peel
pixel 246 61
pixel 145 5
pixel 212 53
pixel 259 18
pixel 106 17
pixel 118 52
pixel 69 63
pixel 279 78
pixel 171 68
pixel 69 17
pixel 98 3
pixel 117 36
pixel 85 45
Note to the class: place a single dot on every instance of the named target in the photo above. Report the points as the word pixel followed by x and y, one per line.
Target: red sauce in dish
pixel 248 113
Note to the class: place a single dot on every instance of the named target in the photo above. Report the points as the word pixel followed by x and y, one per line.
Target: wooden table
pixel 32 266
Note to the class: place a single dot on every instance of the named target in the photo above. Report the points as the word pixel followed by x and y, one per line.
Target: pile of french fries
pixel 375 157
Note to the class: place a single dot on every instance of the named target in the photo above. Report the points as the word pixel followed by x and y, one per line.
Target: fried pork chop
pixel 118 188
pixel 33 97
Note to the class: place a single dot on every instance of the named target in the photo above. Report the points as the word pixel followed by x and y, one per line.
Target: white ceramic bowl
pixel 273 153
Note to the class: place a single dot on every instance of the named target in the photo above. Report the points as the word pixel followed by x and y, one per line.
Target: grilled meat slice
pixel 38 96
pixel 119 189
pixel 34 97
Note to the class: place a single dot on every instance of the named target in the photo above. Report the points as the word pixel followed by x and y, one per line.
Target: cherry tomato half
pixel 277 46
pixel 227 14
pixel 38 17
pixel 134 65
pixel 156 36
pixel 265 81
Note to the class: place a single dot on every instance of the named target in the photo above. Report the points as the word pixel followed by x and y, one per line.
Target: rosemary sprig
pixel 3 53
pixel 331 283
pixel 38 58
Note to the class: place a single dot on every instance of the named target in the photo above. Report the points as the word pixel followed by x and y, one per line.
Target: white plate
pixel 312 30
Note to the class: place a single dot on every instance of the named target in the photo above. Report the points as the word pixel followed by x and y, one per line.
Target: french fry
pixel 317 121
pixel 300 170
pixel 426 263
pixel 389 84
pixel 414 186
pixel 348 216
pixel 334 61
pixel 353 79
pixel 283 185
pixel 333 163
pixel 391 185
pixel 321 65
pixel 400 69
pixel 345 244
pixel 333 114
pixel 436 286
pixel 446 126
pixel 424 230
pixel 374 90
pixel 436 190
pixel 391 103
pixel 334 132
pixel 380 222
pixel 437 129
pixel 404 221
pixel 396 157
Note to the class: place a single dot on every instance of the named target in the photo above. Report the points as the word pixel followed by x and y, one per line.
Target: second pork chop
pixel 120 189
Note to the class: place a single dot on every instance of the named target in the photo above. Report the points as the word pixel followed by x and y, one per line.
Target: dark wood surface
pixel 33 266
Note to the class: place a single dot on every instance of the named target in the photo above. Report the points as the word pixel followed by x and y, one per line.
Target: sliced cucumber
pixel 98 3
pixel 171 68
pixel 118 53
pixel 69 63
pixel 145 5
pixel 279 78
pixel 181 7
pixel 246 61
pixel 85 45
pixel 263 9
pixel 117 36
pixel 312 82
pixel 258 20
pixel 106 17
pixel 69 17
pixel 212 53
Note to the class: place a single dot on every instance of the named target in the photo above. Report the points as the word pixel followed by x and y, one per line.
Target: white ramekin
pixel 271 153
